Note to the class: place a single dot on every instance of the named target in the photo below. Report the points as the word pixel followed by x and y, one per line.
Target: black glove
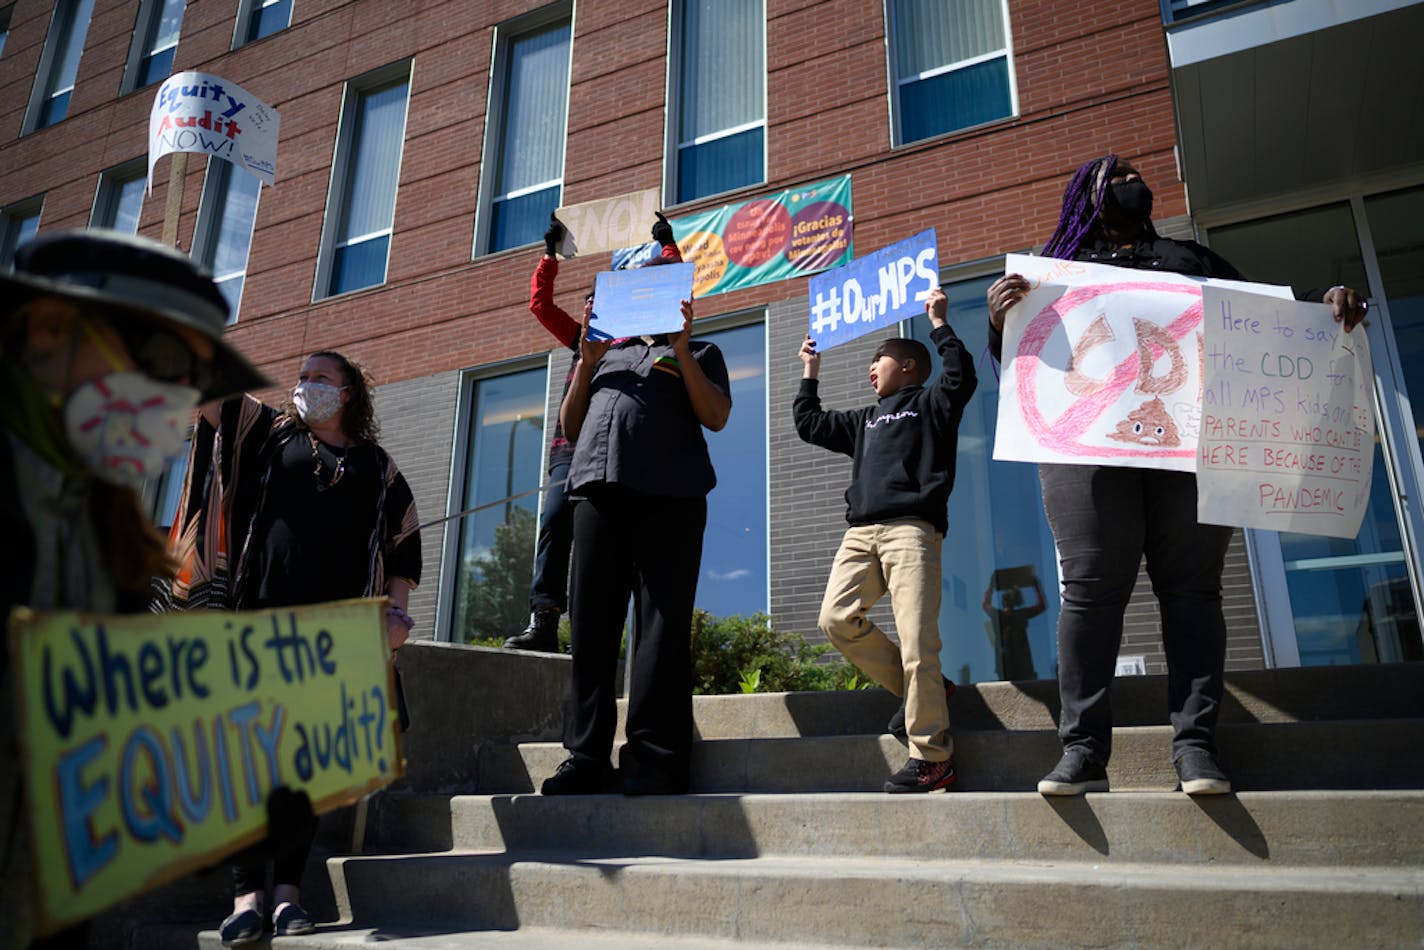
pixel 553 236
pixel 662 231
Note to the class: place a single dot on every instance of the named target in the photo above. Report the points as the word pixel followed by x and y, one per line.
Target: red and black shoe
pixel 917 775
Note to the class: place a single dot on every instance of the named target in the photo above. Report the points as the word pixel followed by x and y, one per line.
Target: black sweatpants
pixel 650 546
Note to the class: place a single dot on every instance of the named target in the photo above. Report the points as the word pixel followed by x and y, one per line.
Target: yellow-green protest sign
pixel 151 742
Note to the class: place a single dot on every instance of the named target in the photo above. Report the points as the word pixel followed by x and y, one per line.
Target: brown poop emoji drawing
pixel 1148 424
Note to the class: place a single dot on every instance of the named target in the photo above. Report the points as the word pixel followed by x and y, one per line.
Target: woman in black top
pixel 318 512
pixel 1105 518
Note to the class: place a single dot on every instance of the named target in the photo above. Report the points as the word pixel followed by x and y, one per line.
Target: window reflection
pixel 496 553
pixel 734 567
pixel 999 610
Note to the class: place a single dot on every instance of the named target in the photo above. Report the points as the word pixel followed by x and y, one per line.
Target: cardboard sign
pixel 639 302
pixel 792 233
pixel 1287 436
pixel 1102 365
pixel 873 292
pixel 609 223
pixel 199 112
pixel 151 742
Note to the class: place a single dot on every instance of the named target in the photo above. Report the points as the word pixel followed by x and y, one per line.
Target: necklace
pixel 316 470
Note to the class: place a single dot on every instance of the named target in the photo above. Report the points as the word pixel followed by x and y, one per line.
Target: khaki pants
pixel 903 559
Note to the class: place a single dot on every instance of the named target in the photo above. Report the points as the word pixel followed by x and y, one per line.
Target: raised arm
pixel 958 380
pixel 710 404
pixel 575 405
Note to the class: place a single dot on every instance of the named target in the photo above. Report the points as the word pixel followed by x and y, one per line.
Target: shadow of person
pixel 1077 813
pixel 1232 817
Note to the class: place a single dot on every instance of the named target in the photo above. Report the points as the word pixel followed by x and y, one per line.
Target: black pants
pixel 650 546
pixel 1104 519
pixel 291 829
pixel 549 590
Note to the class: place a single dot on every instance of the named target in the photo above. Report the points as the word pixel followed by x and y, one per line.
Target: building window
pixel 162 494
pixel 949 66
pixel 734 547
pixel 259 18
pixel 18 223
pixel 361 206
pixel 720 102
pixel 59 64
pixel 5 26
pixel 495 555
pixel 999 610
pixel 120 198
pixel 224 232
pixel 154 43
pixel 527 124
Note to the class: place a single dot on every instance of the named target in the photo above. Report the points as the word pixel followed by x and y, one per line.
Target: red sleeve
pixel 670 254
pixel 541 303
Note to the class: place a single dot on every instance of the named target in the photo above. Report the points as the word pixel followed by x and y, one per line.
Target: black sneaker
pixel 896 726
pixel 1077 772
pixel 917 775
pixel 1200 774
pixel 575 777
pixel 241 928
pixel 541 636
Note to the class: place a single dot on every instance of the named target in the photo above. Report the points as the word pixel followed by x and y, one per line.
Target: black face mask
pixel 1132 198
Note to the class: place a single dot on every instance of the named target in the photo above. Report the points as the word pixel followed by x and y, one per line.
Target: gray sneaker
pixel 1200 774
pixel 1077 772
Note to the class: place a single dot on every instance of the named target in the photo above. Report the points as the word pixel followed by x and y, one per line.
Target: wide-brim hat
pixel 136 278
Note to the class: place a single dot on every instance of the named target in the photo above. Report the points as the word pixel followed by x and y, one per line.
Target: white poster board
pixel 1287 437
pixel 200 112
pixel 609 223
pixel 1102 365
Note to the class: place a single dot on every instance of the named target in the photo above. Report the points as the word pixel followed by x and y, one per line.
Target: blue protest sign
pixel 873 292
pixel 639 302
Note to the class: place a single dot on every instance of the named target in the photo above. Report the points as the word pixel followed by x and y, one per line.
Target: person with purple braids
pixel 1105 518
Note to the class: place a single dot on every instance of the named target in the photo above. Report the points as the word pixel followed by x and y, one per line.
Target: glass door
pixel 1326 600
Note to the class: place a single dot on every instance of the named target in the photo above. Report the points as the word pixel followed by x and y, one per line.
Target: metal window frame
pixel 141 45
pixel 106 194
pixel 10 218
pixel 217 180
pixel 42 91
pixel 496 115
pixel 241 25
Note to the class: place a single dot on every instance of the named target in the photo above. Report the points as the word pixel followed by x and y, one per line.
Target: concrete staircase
pixel 788 840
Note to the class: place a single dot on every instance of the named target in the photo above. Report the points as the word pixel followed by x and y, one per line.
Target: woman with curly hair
pixel 285 507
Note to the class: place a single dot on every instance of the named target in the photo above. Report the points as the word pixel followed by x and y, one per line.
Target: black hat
pixel 132 277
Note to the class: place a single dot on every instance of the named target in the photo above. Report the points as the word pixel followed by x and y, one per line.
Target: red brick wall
pixel 1091 77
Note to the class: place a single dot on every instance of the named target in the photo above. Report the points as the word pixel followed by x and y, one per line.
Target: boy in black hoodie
pixel 903 449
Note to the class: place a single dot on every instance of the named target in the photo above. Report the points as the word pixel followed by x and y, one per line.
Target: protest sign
pixel 789 234
pixel 1102 365
pixel 647 300
pixel 1287 436
pixel 151 742
pixel 609 223
pixel 199 112
pixel 874 292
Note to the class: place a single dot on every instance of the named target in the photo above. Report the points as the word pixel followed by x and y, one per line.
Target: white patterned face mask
pixel 316 402
pixel 127 427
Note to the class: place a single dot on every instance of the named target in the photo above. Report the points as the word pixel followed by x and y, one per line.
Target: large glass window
pixel 155 41
pixel 950 66
pixel 224 233
pixel 18 223
pixel 734 547
pixel 495 558
pixel 5 26
pixel 720 122
pixel 362 209
pixel 259 18
pixel 1350 600
pixel 527 122
pixel 59 65
pixel 999 606
pixel 119 200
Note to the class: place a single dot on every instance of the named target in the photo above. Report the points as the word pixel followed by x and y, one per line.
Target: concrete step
pixel 1261 829
pixel 343 937
pixel 883 902
pixel 1257 756
pixel 1380 691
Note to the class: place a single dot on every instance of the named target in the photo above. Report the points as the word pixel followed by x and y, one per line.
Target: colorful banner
pixel 873 292
pixel 797 232
pixel 151 742
pixel 1102 365
pixel 1287 435
pixel 607 224
pixel 647 300
pixel 199 112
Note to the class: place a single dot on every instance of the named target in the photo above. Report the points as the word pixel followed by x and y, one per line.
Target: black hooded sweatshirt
pixel 903 447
